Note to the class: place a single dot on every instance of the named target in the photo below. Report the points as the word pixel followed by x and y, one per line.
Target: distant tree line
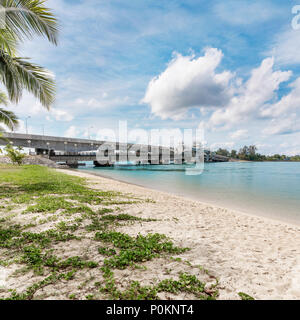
pixel 249 153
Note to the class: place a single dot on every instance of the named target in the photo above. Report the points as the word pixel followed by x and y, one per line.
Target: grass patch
pixel 39 191
pixel 105 211
pixel 49 204
pixel 107 252
pixel 124 217
pixel 139 249
pixel 245 296
pixel 186 283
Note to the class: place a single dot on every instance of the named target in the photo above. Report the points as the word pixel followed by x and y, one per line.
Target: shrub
pixel 15 155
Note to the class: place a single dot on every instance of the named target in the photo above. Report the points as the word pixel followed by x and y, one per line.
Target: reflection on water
pixel 170 167
pixel 267 188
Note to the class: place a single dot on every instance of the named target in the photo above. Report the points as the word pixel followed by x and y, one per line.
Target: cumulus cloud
pixel 240 134
pixel 61 115
pixel 189 82
pixel 29 106
pixel 253 95
pixel 290 148
pixel 286 104
pixel 72 132
pixel 286 47
pixel 283 126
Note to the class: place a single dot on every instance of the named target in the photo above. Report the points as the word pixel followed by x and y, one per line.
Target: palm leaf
pixel 8 42
pixel 8 118
pixel 3 99
pixel 18 74
pixel 26 18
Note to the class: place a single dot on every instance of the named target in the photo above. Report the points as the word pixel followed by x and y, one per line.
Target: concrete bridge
pixel 72 150
pixel 47 144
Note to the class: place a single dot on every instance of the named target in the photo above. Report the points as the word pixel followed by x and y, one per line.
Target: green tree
pixel 233 154
pixel 252 150
pixel 295 158
pixel 249 153
pixel 243 153
pixel 15 154
pixel 23 20
pixel 223 152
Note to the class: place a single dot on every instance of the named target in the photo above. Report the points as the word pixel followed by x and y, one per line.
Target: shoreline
pixel 247 253
pixel 184 197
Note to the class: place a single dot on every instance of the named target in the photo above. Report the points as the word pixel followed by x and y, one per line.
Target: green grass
pixel 139 249
pixel 45 186
pixel 16 239
pixel 186 283
pixel 245 296
pixel 76 212
pixel 49 204
pixel 106 251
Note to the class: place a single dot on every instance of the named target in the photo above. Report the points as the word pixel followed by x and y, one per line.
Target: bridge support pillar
pixel 40 152
pixel 72 164
pixel 104 164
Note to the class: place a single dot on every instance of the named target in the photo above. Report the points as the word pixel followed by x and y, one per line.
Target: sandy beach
pixel 246 253
pixel 89 237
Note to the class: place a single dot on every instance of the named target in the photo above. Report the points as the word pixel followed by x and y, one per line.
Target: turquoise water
pixel 262 188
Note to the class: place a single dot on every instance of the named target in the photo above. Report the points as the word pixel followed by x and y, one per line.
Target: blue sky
pixel 229 66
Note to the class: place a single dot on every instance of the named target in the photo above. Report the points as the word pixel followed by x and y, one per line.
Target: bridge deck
pixel 71 150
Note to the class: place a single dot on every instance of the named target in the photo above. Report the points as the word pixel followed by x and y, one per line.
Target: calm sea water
pixel 262 188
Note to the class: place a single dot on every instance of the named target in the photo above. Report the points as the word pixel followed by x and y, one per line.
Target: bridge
pixel 72 151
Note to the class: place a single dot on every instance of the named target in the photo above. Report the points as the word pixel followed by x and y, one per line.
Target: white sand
pixel 258 256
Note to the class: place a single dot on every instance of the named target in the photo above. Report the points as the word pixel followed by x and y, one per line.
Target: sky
pixel 231 67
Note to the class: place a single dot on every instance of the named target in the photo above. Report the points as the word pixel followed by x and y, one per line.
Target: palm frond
pixel 8 42
pixel 18 74
pixel 3 99
pixel 26 18
pixel 8 118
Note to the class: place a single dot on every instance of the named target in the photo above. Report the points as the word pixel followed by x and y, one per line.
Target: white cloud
pixel 22 127
pixel 262 146
pixel 29 106
pixel 290 148
pixel 61 115
pixel 226 145
pixel 240 134
pixel 286 104
pixel 293 151
pixel 72 132
pixel 257 91
pixel 106 135
pixel 286 47
pixel 100 103
pixel 286 125
pixel 246 12
pixel 189 82
pixel 192 82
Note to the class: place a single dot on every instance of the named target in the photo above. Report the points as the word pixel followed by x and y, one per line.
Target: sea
pixel 268 189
